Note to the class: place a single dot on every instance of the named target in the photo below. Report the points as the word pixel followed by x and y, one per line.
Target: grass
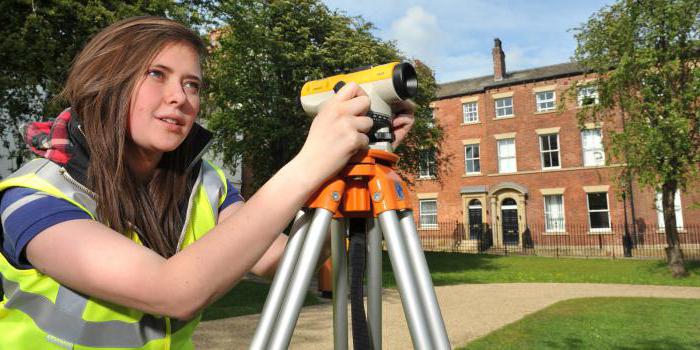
pixel 244 299
pixel 603 323
pixel 457 268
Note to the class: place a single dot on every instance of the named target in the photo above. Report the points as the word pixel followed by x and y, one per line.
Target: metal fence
pixel 576 241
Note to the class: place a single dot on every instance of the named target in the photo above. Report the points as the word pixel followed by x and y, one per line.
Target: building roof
pixel 481 84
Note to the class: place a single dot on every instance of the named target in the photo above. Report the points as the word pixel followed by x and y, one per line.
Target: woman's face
pixel 165 102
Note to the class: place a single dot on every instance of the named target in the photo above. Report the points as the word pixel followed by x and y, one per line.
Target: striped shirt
pixel 26 212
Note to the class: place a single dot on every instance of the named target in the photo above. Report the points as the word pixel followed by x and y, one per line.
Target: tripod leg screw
pixel 377 196
pixel 335 196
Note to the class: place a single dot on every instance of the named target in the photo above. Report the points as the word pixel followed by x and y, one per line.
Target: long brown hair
pixel 99 89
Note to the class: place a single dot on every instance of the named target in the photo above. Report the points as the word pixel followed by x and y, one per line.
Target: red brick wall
pixel 572 176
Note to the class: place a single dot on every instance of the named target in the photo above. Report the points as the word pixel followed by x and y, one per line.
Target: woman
pixel 94 231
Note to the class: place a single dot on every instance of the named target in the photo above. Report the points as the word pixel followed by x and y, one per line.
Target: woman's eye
pixel 192 86
pixel 154 73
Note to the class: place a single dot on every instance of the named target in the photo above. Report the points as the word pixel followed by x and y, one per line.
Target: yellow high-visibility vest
pixel 37 312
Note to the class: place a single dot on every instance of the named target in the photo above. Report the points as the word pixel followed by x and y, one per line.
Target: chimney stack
pixel 499 60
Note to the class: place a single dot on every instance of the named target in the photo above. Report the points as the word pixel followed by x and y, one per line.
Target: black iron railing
pixel 617 241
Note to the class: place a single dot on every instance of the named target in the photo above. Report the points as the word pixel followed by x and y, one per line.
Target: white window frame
pixel 543 151
pixel 677 207
pixel 557 227
pixel 423 213
pixel 587 91
pixel 544 103
pixel 503 109
pixel 588 206
pixel 501 158
pixel 424 170
pixel 598 148
pixel 475 160
pixel 470 112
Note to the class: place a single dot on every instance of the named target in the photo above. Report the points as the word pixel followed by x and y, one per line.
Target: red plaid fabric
pixel 50 139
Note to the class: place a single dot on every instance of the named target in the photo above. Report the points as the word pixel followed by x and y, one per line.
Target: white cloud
pixel 418 35
pixel 455 37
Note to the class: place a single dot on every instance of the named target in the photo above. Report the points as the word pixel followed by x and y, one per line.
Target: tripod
pixel 367 188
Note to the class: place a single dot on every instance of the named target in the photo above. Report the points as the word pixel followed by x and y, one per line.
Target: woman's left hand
pixel 403 121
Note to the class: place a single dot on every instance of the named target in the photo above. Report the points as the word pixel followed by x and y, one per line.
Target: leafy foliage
pixel 264 53
pixel 645 55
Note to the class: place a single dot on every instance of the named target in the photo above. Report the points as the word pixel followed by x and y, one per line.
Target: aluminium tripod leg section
pixel 424 282
pixel 405 278
pixel 306 265
pixel 339 262
pixel 374 283
pixel 281 280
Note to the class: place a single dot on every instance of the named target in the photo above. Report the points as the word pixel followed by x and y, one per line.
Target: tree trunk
pixel 674 255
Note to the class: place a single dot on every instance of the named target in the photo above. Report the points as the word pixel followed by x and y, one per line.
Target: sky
pixel 455 37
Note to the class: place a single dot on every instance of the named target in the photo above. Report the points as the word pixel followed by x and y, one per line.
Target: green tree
pixel 264 53
pixel 38 40
pixel 645 54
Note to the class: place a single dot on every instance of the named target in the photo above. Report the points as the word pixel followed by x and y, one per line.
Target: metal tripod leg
pixel 281 281
pixel 374 283
pixel 405 278
pixel 339 262
pixel 300 280
pixel 425 288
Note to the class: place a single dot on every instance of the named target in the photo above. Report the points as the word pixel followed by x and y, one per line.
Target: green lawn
pixel 603 323
pixel 456 268
pixel 244 299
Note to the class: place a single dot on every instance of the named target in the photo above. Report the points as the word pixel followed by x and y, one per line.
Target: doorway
pixel 509 222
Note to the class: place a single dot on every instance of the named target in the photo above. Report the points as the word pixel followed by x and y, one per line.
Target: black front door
pixel 475 219
pixel 509 222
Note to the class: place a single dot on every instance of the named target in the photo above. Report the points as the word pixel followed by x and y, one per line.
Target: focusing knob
pixel 381 121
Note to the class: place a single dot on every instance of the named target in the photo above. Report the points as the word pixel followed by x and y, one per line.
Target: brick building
pixel 518 160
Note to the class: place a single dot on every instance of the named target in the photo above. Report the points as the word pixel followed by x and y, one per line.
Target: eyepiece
pixel 405 80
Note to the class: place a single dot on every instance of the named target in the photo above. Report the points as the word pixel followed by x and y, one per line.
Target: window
pixel 428 213
pixel 426 165
pixel 470 112
pixel 677 206
pixel 471 159
pixel 506 156
pixel 587 95
pixel 549 149
pixel 593 154
pixel 598 212
pixel 545 101
pixel 504 107
pixel 554 213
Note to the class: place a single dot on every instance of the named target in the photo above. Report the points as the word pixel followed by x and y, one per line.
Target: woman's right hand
pixel 337 133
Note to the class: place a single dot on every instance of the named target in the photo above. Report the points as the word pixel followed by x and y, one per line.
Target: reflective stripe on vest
pixel 67 324
pixel 63 320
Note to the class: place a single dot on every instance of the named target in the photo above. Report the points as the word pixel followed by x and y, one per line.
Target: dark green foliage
pixel 265 52
pixel 645 55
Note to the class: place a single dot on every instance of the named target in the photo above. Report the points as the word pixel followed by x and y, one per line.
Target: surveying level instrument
pixel 367 198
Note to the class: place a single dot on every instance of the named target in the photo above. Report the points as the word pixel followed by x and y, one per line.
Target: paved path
pixel 470 311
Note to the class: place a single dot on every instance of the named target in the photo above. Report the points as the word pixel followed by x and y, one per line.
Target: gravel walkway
pixel 470 311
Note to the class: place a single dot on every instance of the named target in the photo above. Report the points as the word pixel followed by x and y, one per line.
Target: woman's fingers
pixel 362 124
pixel 351 100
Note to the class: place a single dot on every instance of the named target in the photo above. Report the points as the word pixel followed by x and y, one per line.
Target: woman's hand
pixel 403 121
pixel 337 133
